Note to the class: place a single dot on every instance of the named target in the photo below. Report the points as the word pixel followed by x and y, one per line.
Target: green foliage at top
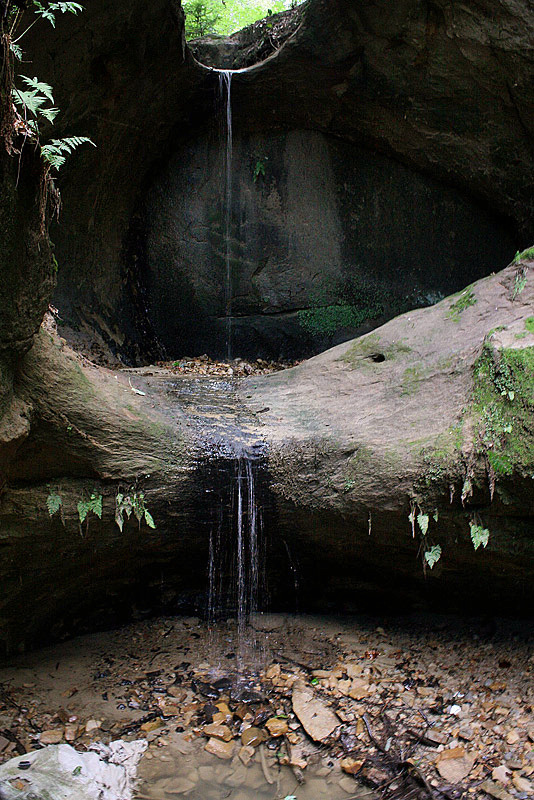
pixel 217 17
pixel 201 18
pixel 465 299
pixel 35 102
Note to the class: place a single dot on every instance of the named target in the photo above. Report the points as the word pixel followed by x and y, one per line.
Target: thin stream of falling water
pixel 225 86
pixel 253 539
pixel 234 556
pixel 241 567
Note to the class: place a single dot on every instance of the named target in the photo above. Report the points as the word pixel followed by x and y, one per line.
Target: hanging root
pixel 7 109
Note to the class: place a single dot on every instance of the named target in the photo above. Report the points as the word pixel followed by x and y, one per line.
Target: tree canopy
pixel 227 16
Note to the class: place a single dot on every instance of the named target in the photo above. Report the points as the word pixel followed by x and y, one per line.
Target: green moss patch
pixel 327 320
pixel 370 349
pixel 411 379
pixel 529 324
pixel 504 407
pixel 526 255
pixel 465 299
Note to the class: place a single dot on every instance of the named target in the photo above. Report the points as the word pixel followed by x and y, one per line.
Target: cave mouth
pixel 317 241
pixel 250 45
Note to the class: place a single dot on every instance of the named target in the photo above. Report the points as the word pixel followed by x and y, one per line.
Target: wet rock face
pixel 440 88
pixel 323 236
pixel 25 255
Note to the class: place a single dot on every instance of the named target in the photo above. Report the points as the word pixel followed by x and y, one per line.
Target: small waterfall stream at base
pixel 236 550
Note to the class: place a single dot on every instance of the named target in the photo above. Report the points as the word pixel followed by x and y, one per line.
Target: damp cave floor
pixel 453 697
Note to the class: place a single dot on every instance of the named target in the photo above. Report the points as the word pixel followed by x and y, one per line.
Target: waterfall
pixel 235 550
pixel 225 86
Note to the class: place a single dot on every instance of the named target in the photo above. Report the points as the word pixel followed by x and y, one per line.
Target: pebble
pixel 351 765
pixel 220 748
pixel 252 737
pixel 51 737
pixel 219 732
pixel 246 754
pixel 277 727
pixel 179 786
pixel 317 719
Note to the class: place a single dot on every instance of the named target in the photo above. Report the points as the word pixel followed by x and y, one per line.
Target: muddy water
pixel 423 686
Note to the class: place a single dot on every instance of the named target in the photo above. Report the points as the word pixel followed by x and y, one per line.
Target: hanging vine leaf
pixel 479 535
pixel 433 555
pixel 422 521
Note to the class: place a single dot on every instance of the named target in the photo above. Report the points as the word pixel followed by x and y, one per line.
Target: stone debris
pixel 354 706
pixel 204 365
pixel 219 748
pixel 454 765
pixel 317 719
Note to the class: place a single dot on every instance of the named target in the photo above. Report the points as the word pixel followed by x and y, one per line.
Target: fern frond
pixel 56 151
pixel 16 50
pixel 39 86
pixel 49 113
pixel 30 101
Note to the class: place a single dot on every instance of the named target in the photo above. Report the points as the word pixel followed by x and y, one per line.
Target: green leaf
pixel 39 86
pixel 83 510
pixel 77 770
pixel 422 521
pixel 49 113
pixel 433 555
pixel 479 535
pixel 30 101
pixel 149 520
pixel 16 50
pixel 96 505
pixel 56 151
pixel 53 503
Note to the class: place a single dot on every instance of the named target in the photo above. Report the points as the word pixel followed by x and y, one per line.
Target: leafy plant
pixel 259 169
pixel 433 555
pixel 53 503
pixel 92 505
pixel 500 463
pixel 479 535
pixel 132 503
pixel 520 281
pixel 525 255
pixel 422 521
pixel 200 18
pixel 35 102
pixel 55 152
